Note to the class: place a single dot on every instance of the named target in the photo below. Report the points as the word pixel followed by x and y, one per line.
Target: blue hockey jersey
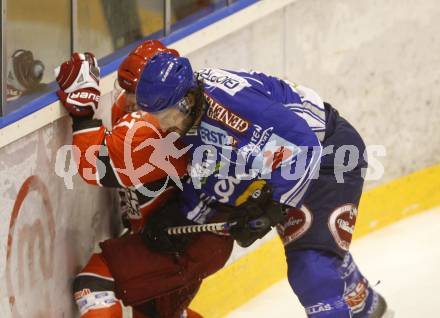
pixel 256 127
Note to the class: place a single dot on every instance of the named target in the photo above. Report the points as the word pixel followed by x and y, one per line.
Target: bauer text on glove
pixel 78 80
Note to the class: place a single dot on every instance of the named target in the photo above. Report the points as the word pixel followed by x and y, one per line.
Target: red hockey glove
pixel 80 103
pixel 78 80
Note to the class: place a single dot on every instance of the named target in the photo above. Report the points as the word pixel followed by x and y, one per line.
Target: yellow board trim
pixel 250 275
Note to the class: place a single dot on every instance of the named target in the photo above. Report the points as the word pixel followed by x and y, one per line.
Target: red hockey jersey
pixel 127 157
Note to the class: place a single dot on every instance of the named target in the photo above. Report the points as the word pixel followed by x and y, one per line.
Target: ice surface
pixel 404 257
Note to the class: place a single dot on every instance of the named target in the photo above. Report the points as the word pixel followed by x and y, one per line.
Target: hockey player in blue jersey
pixel 268 148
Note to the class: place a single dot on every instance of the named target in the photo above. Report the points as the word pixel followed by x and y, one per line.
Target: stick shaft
pixel 199 228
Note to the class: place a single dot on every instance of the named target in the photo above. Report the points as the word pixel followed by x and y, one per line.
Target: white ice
pixel 404 257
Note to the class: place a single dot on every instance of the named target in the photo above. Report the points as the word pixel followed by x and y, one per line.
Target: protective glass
pixel 36 39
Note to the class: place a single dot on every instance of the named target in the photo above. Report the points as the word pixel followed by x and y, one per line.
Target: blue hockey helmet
pixel 165 80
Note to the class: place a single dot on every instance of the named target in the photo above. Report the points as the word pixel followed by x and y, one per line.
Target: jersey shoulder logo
pixel 228 82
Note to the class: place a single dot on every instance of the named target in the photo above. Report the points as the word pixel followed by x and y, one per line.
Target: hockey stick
pixel 217 228
pixel 221 228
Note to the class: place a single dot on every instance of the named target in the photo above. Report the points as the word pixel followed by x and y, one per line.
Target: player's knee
pixel 315 279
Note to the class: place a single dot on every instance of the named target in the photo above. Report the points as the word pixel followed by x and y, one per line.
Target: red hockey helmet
pixel 130 69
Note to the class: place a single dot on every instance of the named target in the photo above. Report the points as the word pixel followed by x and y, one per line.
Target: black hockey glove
pixel 154 232
pixel 254 218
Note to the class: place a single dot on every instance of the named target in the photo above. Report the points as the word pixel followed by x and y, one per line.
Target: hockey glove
pixel 154 232
pixel 78 80
pixel 254 218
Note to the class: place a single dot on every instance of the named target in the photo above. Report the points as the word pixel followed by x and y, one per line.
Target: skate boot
pixel 381 309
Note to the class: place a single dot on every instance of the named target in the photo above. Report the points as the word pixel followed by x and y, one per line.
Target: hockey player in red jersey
pixel 158 284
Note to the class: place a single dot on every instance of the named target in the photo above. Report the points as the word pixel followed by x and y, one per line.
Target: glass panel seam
pixel 3 55
pixel 73 25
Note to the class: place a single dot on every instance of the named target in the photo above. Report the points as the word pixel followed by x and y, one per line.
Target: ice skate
pixel 381 310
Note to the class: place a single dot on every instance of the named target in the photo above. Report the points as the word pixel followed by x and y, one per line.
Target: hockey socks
pixel 329 287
